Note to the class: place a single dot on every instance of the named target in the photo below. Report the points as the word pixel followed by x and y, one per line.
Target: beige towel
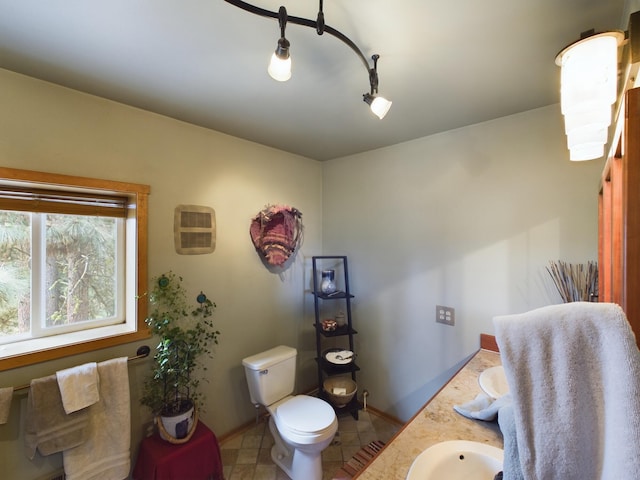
pixel 48 428
pixel 106 453
pixel 78 386
pixel 574 375
pixel 6 395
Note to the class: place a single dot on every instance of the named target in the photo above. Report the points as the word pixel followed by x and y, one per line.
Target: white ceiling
pixel 444 64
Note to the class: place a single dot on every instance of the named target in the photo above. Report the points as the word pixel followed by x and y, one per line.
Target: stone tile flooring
pixel 247 455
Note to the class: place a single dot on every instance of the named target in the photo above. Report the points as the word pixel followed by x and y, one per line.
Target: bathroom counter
pixel 437 422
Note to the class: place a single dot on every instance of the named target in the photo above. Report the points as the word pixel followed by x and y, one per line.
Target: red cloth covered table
pixel 198 459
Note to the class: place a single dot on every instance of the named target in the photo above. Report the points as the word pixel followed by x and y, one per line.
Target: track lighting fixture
pixel 280 64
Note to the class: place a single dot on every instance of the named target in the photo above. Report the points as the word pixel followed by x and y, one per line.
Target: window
pixel 72 264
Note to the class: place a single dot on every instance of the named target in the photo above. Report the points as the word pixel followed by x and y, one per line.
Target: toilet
pixel 302 426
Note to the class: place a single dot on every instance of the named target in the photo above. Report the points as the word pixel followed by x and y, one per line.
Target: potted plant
pixel 186 336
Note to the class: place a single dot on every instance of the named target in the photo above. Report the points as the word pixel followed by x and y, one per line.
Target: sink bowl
pixel 493 382
pixel 457 460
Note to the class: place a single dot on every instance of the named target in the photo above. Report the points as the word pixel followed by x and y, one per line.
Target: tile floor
pixel 247 455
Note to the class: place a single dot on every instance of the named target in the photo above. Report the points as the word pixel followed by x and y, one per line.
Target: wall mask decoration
pixel 194 229
pixel 276 233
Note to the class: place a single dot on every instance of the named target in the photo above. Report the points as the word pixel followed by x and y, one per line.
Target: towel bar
pixel 142 352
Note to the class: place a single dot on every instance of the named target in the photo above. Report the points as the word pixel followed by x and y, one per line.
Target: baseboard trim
pixel 384 416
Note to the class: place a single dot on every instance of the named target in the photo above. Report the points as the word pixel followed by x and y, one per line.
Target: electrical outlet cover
pixel 445 315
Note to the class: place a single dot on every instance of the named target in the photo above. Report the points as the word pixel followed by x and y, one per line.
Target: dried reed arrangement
pixel 575 282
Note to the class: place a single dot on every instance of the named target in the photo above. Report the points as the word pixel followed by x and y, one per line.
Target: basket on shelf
pixel 340 390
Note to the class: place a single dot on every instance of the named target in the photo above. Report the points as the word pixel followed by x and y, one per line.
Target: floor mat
pixel 360 460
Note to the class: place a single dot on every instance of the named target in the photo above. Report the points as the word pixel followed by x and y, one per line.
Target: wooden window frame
pixel 139 195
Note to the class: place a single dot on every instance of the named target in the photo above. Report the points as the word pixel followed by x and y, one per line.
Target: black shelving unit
pixel 346 332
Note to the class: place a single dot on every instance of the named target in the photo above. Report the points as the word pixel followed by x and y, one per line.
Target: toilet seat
pixel 304 420
pixel 303 414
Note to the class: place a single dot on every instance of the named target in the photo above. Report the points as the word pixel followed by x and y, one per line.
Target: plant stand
pixel 199 458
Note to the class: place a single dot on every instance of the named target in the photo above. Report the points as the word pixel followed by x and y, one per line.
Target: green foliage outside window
pixel 78 274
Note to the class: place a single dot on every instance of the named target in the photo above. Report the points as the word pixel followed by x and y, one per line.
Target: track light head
pixel 379 105
pixel 280 65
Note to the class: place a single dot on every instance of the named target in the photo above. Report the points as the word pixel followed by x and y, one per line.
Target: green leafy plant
pixel 186 336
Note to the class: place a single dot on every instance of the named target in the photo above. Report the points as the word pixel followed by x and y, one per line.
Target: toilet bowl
pixel 302 426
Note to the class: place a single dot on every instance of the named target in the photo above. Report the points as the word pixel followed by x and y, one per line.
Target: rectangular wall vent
pixel 194 229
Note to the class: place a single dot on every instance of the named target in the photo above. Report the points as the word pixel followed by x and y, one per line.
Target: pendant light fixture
pixel 588 89
pixel 280 65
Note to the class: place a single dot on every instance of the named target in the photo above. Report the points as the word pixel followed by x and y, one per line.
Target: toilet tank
pixel 271 374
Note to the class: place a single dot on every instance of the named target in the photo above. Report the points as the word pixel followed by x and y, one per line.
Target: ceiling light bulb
pixel 379 105
pixel 280 64
pixel 279 68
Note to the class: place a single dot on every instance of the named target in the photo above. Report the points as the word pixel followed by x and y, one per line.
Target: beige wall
pixel 469 219
pixel 48 128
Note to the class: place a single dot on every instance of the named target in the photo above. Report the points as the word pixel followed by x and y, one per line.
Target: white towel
pixel 6 395
pixel 78 386
pixel 483 407
pixel 574 375
pixel 106 453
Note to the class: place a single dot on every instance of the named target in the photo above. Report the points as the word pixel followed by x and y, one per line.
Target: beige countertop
pixel 437 422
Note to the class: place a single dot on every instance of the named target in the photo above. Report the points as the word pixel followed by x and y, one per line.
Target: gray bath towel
pixel 511 464
pixel 48 428
pixel 574 375
pixel 6 395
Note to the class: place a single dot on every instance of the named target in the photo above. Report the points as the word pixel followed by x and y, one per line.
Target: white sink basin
pixel 457 460
pixel 493 382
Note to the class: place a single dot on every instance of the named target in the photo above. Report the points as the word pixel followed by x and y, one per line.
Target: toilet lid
pixel 306 414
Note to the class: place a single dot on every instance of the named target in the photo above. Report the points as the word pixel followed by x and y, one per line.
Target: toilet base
pixel 296 463
pixel 285 462
pixel 305 466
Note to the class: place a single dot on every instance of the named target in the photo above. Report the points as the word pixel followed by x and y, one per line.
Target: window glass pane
pixel 80 268
pixel 15 273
